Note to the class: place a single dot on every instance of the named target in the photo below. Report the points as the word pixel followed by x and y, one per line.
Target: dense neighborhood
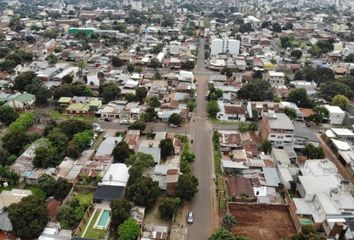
pixel 156 120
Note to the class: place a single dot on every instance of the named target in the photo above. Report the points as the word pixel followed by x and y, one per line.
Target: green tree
pixel 130 68
pixel 320 114
pixel 228 221
pixel 22 80
pixel 138 164
pixel 175 119
pixel 44 155
pixel 296 54
pixel 82 64
pixel 349 58
pixel 4 157
pixel 276 27
pixel 256 90
pixel 28 217
pixel 338 100
pixel 52 59
pixel 14 142
pixel 73 126
pixel 246 27
pixel 15 24
pixel 154 63
pixel 83 139
pixel 222 234
pixel 129 230
pixel 168 207
pixel 290 112
pixel 167 149
pixel 188 65
pixel 331 89
pixel 59 189
pixel 308 233
pixel 143 192
pixel 213 108
pixel 266 146
pixel 116 61
pixel 109 91
pixel 130 97
pixel 70 214
pixel 322 75
pixel 121 152
pixel 7 115
pixel 299 97
pixel 153 101
pixel 312 152
pixel 120 211
pixel 138 125
pixel 141 93
pixel 187 187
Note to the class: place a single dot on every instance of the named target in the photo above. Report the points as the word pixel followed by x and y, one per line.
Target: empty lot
pixel 259 221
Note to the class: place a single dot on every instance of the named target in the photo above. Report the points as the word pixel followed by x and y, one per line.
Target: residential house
pixel 113 183
pixel 104 151
pixel 231 112
pixel 276 79
pixel 336 114
pixel 151 147
pixel 278 129
pixel 19 101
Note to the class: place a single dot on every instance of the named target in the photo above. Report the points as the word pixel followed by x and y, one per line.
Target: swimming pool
pixel 103 220
pixel 306 221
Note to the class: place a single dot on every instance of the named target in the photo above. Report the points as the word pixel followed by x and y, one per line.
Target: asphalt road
pixel 201 132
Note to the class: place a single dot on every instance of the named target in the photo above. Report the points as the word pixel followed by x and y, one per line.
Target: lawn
pixel 56 115
pixel 36 191
pixel 220 122
pixel 84 197
pixel 92 232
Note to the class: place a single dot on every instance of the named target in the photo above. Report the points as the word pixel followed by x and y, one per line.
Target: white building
pixel 336 114
pixel 275 78
pixel 226 45
pixel 175 47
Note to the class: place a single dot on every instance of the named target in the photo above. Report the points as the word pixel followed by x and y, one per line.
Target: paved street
pixel 202 204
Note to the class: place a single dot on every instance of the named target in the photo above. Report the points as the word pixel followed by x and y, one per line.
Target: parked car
pixel 173 125
pixel 190 217
pixel 124 122
pixel 108 119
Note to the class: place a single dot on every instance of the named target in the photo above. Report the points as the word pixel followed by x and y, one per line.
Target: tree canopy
pixel 28 217
pixel 175 119
pixel 129 230
pixel 121 152
pixel 143 192
pixel 299 97
pixel 120 210
pixel 167 148
pixel 168 207
pixel 187 187
pixel 256 90
pixel 340 101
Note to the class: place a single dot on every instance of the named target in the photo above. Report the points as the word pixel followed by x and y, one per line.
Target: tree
pixel 4 157
pixel 70 214
pixel 130 68
pixel 322 75
pixel 141 93
pixel 14 142
pixel 256 90
pixel 121 152
pixel 222 234
pixel 338 100
pixel 266 24
pixel 228 221
pixel 59 189
pixel 168 20
pixel 82 64
pixel 52 59
pixel 175 119
pixel 83 139
pixel 137 125
pixel 290 112
pixel 296 54
pixel 117 62
pixel 138 164
pixel 307 233
pixel 154 63
pixel 22 80
pixel 44 155
pixel 143 192
pixel 109 92
pixel 7 115
pixel 320 114
pixel 167 149
pixel 130 97
pixel 28 217
pixel 276 27
pixel 187 187
pixel 153 102
pixel 189 65
pixel 331 89
pixel 213 108
pixel 67 79
pixel 120 211
pixel 246 27
pixel 266 146
pixel 312 152
pixel 349 58
pixel 299 97
pixel 129 230
pixel 15 24
pixel 227 71
pixel 168 207
pixel 73 126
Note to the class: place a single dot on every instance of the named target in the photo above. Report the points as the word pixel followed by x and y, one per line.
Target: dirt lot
pixel 258 221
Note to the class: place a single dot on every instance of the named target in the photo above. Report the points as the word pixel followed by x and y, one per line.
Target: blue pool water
pixel 104 218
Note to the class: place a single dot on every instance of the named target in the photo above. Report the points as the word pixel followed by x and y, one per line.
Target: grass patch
pixel 84 197
pixel 56 115
pixel 6 188
pixel 92 232
pixel 36 191
pixel 221 122
pixel 220 186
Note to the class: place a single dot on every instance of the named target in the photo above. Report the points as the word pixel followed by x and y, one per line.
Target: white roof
pixel 277 74
pixel 234 165
pixel 341 145
pixel 319 167
pixel 116 175
pixel 285 174
pixel 334 109
pixel 319 184
pixel 342 132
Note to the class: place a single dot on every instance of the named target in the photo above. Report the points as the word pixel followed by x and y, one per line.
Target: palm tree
pixel 228 221
pixel 82 64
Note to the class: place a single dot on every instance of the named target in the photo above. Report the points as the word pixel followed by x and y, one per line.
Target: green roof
pixel 78 107
pixel 64 100
pixel 25 97
pixel 95 102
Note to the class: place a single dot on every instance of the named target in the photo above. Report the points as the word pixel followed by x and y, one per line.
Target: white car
pixel 124 122
pixel 190 217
